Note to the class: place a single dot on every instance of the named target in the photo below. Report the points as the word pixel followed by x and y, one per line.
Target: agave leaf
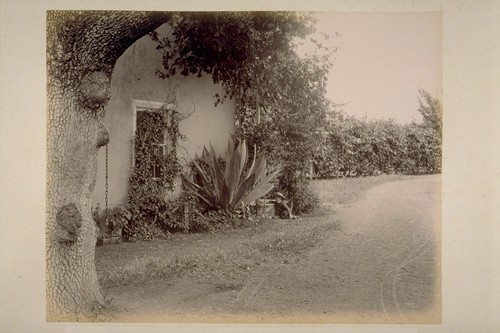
pixel 243 158
pixel 227 156
pixel 212 158
pixel 212 150
pixel 231 151
pixel 199 191
pixel 259 191
pixel 204 154
pixel 260 168
pixel 202 173
pixel 225 197
pixel 233 179
pixel 250 169
pixel 218 177
pixel 204 193
pixel 207 184
pixel 269 178
pixel 245 188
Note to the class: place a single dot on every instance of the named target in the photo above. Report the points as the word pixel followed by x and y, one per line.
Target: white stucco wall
pixel 134 79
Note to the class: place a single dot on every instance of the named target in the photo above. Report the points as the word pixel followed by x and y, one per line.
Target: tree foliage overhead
pixel 77 44
pixel 236 48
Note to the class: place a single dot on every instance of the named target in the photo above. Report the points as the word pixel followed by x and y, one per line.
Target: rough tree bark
pixel 82 48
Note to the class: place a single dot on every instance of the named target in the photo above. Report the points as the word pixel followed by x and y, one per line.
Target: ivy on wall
pixel 154 175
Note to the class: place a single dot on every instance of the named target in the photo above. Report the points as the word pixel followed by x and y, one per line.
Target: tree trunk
pixel 82 48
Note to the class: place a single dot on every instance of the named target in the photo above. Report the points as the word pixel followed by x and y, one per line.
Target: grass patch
pixel 295 242
pixel 146 270
pixel 346 190
pixel 224 267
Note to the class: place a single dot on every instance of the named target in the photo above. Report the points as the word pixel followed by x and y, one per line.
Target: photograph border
pixel 470 229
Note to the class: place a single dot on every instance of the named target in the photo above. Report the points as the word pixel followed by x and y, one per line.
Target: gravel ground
pixel 375 259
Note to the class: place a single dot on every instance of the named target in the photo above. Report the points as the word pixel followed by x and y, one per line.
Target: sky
pixel 382 60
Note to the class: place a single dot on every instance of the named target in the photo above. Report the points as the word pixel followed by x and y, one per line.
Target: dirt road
pixel 382 266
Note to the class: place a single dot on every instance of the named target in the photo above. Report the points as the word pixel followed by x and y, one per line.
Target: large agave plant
pixel 230 186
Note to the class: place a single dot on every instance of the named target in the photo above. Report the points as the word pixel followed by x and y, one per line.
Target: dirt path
pixel 381 267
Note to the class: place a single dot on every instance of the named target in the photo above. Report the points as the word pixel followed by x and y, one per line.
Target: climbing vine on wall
pixel 154 175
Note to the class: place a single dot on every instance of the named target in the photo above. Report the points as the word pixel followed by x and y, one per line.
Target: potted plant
pixel 110 223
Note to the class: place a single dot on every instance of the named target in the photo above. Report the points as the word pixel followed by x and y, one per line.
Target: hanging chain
pixel 106 183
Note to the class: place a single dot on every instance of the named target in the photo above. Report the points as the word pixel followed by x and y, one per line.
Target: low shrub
pixel 296 187
pixel 111 221
pixel 184 215
pixel 305 200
